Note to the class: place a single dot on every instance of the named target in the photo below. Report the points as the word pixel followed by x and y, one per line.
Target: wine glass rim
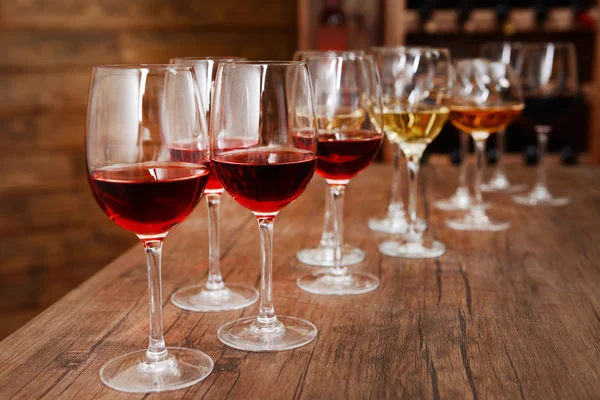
pixel 208 58
pixel 392 49
pixel 480 59
pixel 345 56
pixel 327 52
pixel 140 67
pixel 266 63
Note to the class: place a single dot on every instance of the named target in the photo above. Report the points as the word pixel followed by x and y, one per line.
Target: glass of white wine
pixel 394 221
pixel 486 98
pixel 415 97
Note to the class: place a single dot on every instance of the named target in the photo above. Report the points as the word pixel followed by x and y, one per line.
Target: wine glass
pixel 135 113
pixel 550 84
pixel 486 99
pixel 324 254
pixel 510 53
pixel 461 199
pixel 416 90
pixel 264 106
pixel 395 219
pixel 345 87
pixel 214 295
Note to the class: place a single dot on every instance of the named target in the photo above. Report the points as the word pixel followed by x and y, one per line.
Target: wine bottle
pixel 541 13
pixel 425 14
pixel 333 32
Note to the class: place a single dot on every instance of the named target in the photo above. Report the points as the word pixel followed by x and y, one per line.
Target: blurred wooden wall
pixel 52 234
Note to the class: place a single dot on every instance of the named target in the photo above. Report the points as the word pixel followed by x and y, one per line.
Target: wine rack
pixel 448 23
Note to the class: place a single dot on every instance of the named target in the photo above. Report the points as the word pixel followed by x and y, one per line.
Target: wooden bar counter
pixel 514 314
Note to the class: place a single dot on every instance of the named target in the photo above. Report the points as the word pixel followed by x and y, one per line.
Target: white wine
pixel 413 130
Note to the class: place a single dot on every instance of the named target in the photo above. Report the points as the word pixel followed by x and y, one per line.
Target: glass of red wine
pixel 550 85
pixel 214 295
pixel 135 113
pixel 345 87
pixel 324 254
pixel 262 106
pixel 510 53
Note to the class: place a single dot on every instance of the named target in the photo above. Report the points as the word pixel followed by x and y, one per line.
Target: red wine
pixel 546 110
pixel 265 180
pixel 343 154
pixel 193 151
pixel 148 198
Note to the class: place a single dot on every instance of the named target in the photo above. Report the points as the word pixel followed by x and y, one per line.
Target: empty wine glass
pixel 416 88
pixel 214 295
pixel 323 255
pixel 550 84
pixel 486 99
pixel 135 114
pixel 509 53
pixel 395 219
pixel 264 106
pixel 345 88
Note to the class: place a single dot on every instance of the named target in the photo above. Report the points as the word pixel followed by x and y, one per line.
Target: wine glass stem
pixel 412 164
pixel 337 202
pixel 266 315
pixel 499 170
pixel 215 280
pixel 328 236
pixel 542 137
pixel 477 208
pixel 396 208
pixel 464 152
pixel 157 350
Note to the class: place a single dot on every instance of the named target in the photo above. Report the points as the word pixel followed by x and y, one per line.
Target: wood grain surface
pixel 510 315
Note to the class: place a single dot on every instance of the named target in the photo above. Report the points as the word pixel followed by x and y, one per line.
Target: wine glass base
pixel 477 223
pixel 426 248
pixel 502 187
pixel 394 224
pixel 323 256
pixel 454 203
pixel 290 333
pixel 130 373
pixel 535 198
pixel 232 297
pixel 328 284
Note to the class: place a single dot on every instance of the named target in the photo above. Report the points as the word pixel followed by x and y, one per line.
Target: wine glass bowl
pixel 486 99
pixel 416 90
pixel 135 113
pixel 267 109
pixel 345 86
pixel 214 295
pixel 550 85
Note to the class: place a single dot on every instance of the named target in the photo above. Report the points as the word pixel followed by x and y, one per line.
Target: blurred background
pixel 54 236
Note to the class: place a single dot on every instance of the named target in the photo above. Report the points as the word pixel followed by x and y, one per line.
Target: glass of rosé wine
pixel 345 88
pixel 214 294
pixel 135 114
pixel 324 254
pixel 261 106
